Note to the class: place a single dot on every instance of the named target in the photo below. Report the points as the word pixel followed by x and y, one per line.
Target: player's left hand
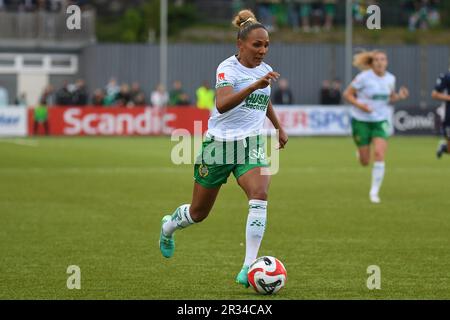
pixel 282 139
pixel 403 93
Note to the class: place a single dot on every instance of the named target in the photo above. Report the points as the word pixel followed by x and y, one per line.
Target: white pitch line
pixel 21 142
pixel 187 168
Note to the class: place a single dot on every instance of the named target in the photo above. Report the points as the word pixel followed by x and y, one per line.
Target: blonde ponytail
pixel 246 21
pixel 244 18
pixel 363 60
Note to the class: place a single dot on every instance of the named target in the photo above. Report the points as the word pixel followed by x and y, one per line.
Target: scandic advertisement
pixel 91 121
pixel 147 121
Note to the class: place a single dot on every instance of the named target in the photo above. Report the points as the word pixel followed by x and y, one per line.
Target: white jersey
pixel 374 91
pixel 247 118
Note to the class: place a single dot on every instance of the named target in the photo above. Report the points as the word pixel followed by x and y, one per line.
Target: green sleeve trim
pixel 224 84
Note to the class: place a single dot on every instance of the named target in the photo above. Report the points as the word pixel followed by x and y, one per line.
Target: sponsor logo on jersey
pixel 380 97
pixel 221 76
pixel 257 101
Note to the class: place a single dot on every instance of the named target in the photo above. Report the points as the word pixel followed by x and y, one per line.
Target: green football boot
pixel 242 277
pixel 166 244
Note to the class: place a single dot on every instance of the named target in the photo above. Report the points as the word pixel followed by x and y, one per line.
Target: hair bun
pixel 244 17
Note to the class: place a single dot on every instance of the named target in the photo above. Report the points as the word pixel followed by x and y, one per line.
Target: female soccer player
pixel 370 93
pixel 242 104
pixel 442 92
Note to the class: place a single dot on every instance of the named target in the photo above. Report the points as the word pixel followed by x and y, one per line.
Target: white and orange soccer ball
pixel 267 275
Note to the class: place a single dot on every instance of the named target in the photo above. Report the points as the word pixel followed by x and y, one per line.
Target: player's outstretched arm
pixel 440 96
pixel 402 94
pixel 283 138
pixel 350 96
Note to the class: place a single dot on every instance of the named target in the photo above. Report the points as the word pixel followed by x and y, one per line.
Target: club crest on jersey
pixel 203 171
pixel 221 76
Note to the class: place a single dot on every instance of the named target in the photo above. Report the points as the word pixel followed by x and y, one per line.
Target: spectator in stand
pixel 330 13
pixel 292 12
pixel 12 5
pixel 434 16
pixel 29 5
pixel 80 95
pixel 64 95
pixel 48 96
pixel 419 16
pixel 265 13
pixel 112 90
pixel 4 97
pixel 330 93
pixel 324 92
pixel 21 100
pixel 139 100
pixel 137 96
pixel 184 100
pixel 359 11
pixel 124 96
pixel 159 97
pixel 176 93
pixel 205 96
pixel 317 13
pixel 41 115
pixel 425 15
pixel 283 95
pixel 237 5
pixel 311 10
pixel 98 98
pixel 54 5
pixel 336 92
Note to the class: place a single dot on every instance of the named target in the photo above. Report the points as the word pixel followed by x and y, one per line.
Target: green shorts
pixel 364 132
pixel 219 158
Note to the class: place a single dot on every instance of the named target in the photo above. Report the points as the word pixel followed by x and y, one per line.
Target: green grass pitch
pixel 97 203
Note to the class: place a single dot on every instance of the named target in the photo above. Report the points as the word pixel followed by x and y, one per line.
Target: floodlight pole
pixel 163 45
pixel 348 42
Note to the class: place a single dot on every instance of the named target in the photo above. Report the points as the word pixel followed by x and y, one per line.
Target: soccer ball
pixel 267 275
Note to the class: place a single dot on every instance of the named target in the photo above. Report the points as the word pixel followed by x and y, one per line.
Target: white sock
pixel 377 177
pixel 256 224
pixel 181 219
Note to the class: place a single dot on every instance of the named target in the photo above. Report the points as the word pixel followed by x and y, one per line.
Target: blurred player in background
pixel 242 104
pixel 442 92
pixel 371 93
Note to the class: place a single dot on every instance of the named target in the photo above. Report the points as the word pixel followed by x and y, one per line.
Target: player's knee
pixel 258 194
pixel 364 161
pixel 379 155
pixel 198 214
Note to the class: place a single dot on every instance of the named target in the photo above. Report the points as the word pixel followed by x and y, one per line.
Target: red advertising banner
pixel 140 121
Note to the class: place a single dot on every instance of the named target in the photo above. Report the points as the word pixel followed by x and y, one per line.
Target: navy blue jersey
pixel 443 86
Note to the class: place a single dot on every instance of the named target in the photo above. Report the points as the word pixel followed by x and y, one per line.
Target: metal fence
pixel 305 66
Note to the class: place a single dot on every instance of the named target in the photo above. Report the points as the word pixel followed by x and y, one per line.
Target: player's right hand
pixel 266 80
